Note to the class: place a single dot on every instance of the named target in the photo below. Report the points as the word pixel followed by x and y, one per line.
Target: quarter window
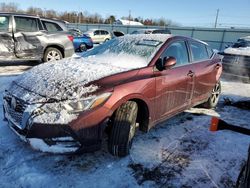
pixel 178 50
pixel 4 23
pixel 26 24
pixel 199 51
pixel 51 27
pixel 210 51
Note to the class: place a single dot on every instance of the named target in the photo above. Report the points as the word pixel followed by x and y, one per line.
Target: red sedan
pixel 132 80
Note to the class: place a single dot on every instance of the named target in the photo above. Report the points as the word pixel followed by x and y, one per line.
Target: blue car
pixel 81 41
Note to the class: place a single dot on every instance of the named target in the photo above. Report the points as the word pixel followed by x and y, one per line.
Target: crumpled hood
pixel 66 79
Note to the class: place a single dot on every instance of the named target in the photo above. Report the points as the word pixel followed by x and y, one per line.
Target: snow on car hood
pixel 238 51
pixel 67 79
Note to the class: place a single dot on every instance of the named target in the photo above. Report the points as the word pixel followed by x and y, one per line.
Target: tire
pixel 52 54
pixel 214 98
pixel 82 47
pixel 123 129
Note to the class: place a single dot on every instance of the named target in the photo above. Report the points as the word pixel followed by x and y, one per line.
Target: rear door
pixel 174 86
pixel 27 36
pixel 205 68
pixel 6 38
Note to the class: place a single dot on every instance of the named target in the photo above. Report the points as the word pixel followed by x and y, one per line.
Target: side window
pixel 178 50
pixel 199 51
pixel 51 27
pixel 4 23
pixel 26 24
pixel 104 32
pixel 96 32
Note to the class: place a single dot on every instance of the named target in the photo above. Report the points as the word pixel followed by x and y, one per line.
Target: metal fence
pixel 217 38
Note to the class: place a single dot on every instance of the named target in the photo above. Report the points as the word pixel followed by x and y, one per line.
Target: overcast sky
pixel 186 12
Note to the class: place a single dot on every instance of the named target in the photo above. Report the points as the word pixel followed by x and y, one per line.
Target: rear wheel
pixel 82 47
pixel 123 129
pixel 214 98
pixel 52 54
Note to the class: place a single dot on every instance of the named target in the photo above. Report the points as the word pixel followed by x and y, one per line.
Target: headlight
pixel 85 104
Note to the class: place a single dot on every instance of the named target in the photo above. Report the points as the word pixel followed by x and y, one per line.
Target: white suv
pixel 99 35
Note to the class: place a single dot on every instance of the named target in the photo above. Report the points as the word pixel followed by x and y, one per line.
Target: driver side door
pixel 174 86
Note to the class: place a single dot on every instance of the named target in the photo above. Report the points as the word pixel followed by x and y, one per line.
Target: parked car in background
pixel 99 35
pixel 81 41
pixel 127 81
pixel 24 37
pixel 152 31
pixel 117 33
pixel 236 60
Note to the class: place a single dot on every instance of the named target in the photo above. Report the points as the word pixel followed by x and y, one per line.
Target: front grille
pixel 15 108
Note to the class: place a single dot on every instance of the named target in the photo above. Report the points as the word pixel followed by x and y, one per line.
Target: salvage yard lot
pixel 180 152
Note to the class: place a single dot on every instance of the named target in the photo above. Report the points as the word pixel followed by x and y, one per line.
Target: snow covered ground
pixel 180 152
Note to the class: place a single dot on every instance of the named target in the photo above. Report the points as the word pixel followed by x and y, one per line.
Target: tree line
pixel 82 17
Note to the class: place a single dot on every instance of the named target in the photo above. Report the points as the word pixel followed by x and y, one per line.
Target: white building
pixel 127 22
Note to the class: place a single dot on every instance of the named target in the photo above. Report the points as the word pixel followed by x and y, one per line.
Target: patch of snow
pixel 39 144
pixel 238 51
pixel 60 117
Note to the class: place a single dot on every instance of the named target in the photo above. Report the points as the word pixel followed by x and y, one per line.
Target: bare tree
pixel 8 7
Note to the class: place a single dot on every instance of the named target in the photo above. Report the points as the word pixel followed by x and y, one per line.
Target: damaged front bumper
pixel 54 138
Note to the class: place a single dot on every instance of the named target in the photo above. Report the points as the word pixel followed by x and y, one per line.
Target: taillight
pixel 71 38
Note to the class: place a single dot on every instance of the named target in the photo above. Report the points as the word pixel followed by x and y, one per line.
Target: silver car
pixel 24 37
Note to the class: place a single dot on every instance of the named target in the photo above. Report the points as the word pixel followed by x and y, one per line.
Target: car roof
pixel 18 14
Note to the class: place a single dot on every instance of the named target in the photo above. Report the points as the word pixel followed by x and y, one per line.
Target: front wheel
pixel 214 97
pixel 52 54
pixel 123 129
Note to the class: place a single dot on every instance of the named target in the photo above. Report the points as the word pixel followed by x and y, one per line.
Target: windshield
pixel 141 47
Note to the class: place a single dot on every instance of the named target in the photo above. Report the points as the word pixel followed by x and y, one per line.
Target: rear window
pixel 51 27
pixel 4 23
pixel 199 51
pixel 26 24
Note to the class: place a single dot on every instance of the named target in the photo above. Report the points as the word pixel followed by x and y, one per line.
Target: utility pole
pixel 129 16
pixel 216 19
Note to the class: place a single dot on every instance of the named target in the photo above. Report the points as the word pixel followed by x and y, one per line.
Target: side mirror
pixel 166 63
pixel 169 62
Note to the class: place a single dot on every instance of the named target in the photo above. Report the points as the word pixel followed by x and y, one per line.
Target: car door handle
pixel 190 73
pixel 217 66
